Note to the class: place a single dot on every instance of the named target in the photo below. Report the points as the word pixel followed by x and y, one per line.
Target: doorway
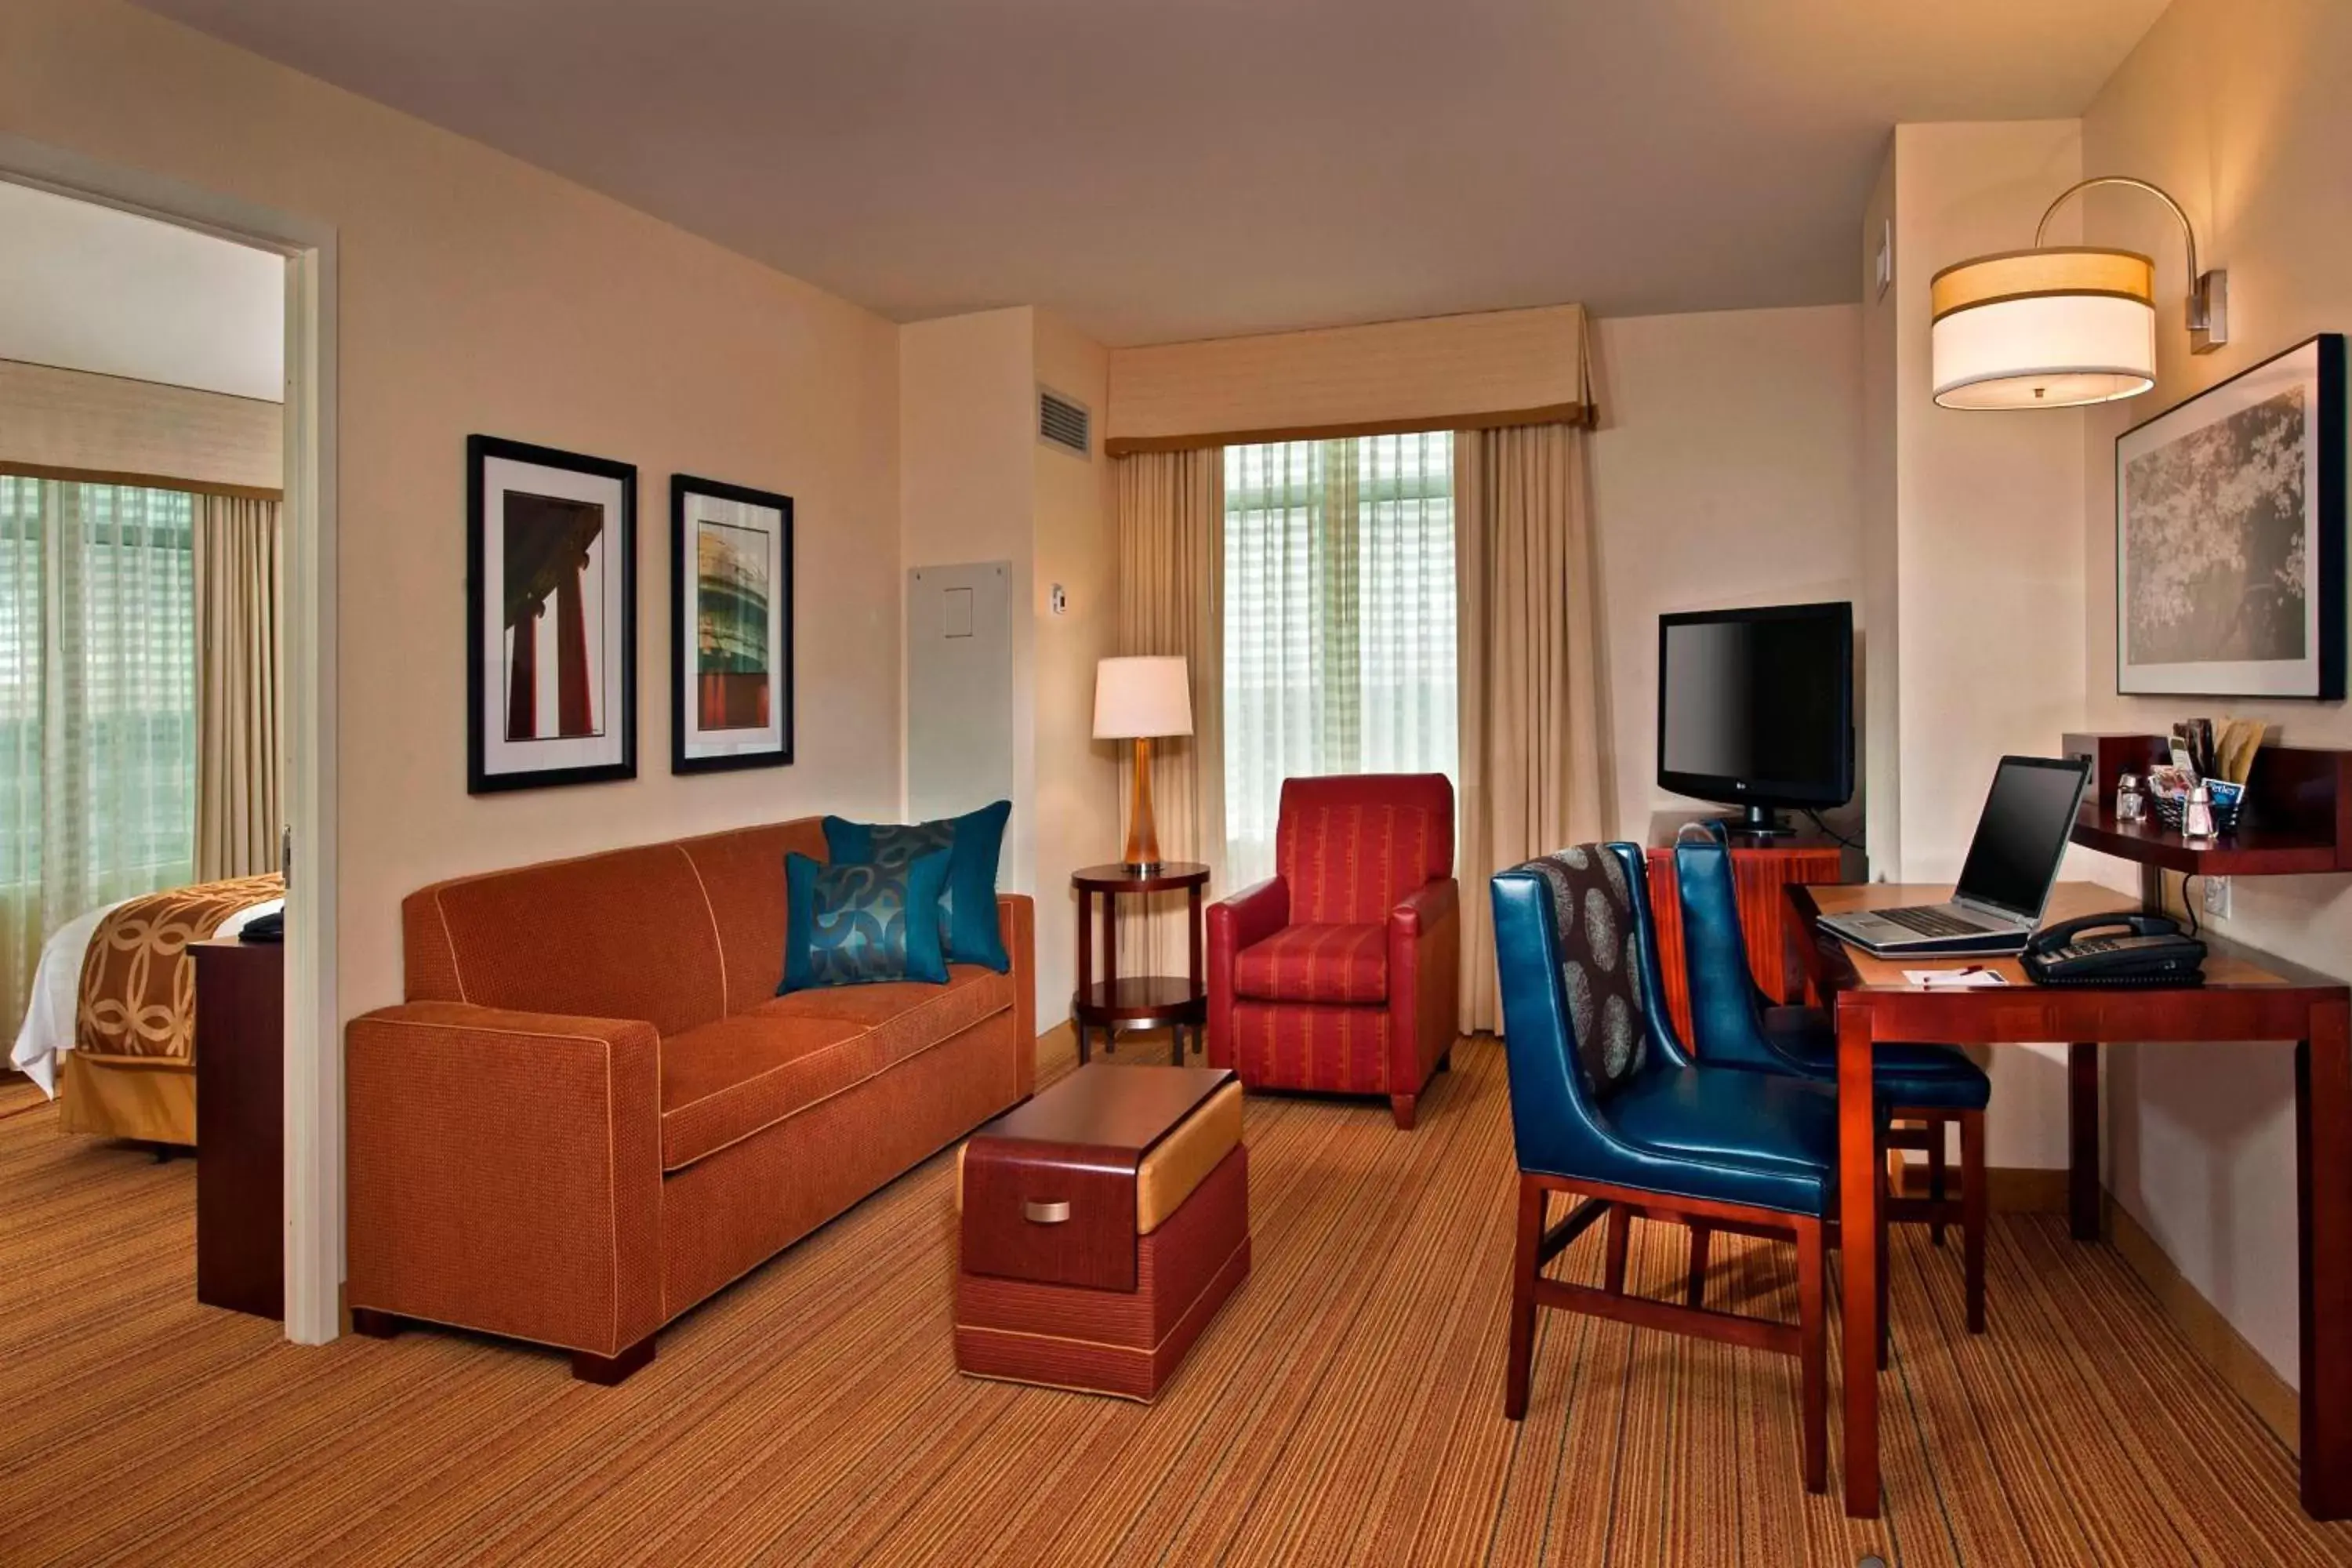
pixel 312 1114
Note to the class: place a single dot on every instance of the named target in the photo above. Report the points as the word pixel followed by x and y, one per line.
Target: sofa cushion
pixel 910 1014
pixel 727 1081
pixel 742 873
pixel 724 1081
pixel 1315 963
pixel 626 934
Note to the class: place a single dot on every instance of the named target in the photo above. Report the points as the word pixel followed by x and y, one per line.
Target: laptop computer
pixel 2013 860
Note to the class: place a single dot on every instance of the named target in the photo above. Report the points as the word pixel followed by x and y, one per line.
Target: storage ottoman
pixel 1104 1222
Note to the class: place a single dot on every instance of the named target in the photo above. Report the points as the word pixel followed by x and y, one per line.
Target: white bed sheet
pixel 49 1028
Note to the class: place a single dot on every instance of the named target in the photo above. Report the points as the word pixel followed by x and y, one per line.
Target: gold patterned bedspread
pixel 139 985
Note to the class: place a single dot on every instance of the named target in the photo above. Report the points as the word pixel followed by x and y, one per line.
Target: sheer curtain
pixel 97 706
pixel 1340 647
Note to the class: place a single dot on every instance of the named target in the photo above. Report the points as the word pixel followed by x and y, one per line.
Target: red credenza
pixel 1759 872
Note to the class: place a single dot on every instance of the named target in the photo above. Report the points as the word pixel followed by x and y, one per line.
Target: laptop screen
pixel 2022 833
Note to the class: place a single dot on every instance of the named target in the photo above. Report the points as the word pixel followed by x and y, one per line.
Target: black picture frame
pixel 768 744
pixel 487 769
pixel 2319 674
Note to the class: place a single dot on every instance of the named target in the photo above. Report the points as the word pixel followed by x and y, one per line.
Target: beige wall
pixel 2239 108
pixel 977 485
pixel 1882 647
pixel 1727 472
pixel 1985 554
pixel 477 293
pixel 1077 796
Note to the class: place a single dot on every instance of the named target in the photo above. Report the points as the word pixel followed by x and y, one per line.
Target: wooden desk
pixel 2247 995
pixel 241 1125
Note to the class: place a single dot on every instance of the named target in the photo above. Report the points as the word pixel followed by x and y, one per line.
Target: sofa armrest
pixel 1016 921
pixel 1248 917
pixel 504 1171
pixel 1424 932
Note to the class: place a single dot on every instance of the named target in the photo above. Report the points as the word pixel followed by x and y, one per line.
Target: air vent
pixel 1065 423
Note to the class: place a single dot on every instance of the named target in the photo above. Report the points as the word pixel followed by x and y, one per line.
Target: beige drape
pixel 239 807
pixel 1531 718
pixel 1171 509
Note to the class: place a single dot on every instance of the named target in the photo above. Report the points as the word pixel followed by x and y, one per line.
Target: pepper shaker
pixel 2131 805
pixel 2197 818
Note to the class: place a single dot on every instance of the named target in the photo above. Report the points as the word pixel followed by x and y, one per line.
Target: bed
pixel 111 1024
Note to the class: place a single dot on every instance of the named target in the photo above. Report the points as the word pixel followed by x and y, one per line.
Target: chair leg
pixel 1974 1201
pixel 1885 1275
pixel 1935 1187
pixel 1401 1107
pixel 1523 1300
pixel 1696 1295
pixel 1812 1352
pixel 1621 1235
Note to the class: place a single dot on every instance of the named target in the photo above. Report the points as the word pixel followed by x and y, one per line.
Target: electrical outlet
pixel 2216 890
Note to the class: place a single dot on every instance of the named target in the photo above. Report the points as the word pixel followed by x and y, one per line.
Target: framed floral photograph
pixel 731 566
pixel 2230 536
pixel 552 617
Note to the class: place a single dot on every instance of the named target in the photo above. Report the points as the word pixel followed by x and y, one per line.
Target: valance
pixel 1487 370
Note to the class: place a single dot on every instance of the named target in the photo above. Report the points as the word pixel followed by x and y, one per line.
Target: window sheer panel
pixel 1340 621
pixel 98 654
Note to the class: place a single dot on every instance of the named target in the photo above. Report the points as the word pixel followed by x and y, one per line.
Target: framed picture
pixel 551 617
pixel 730 571
pixel 2229 523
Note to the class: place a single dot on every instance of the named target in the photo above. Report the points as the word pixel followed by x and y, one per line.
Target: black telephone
pixel 2144 949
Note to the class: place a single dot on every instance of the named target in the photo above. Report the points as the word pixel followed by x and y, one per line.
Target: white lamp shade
pixel 2044 328
pixel 1142 696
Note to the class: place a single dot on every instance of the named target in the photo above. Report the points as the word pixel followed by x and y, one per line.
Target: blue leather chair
pixel 1606 1106
pixel 1928 1083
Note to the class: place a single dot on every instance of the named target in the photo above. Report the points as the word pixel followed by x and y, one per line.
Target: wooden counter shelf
pixel 2297 817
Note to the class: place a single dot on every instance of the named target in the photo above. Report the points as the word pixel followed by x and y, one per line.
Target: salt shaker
pixel 2197 818
pixel 2131 806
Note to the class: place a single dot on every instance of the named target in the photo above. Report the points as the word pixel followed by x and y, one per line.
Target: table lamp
pixel 1140 699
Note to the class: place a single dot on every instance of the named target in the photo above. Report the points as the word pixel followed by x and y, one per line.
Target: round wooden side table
pixel 1174 1002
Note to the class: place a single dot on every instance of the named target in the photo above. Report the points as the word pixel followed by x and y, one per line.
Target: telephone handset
pixel 2122 947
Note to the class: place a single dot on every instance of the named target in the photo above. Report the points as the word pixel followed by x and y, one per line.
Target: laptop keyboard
pixel 1928 920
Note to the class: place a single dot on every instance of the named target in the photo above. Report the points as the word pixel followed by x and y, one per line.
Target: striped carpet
pixel 1345 1408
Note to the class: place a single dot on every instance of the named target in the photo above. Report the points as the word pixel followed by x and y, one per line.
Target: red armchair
pixel 1340 973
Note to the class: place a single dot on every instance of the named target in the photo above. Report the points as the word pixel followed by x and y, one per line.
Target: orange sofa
pixel 593 1112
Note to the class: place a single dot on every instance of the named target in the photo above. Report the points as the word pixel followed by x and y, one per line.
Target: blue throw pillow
pixel 854 923
pixel 968 906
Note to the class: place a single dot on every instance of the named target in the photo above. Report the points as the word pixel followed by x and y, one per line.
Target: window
pixel 1339 651
pixel 98 723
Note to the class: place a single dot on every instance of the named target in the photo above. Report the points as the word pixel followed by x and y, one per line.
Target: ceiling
pixel 1169 169
pixel 84 286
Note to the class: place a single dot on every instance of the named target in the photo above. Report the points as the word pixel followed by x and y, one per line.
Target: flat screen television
pixel 1756 708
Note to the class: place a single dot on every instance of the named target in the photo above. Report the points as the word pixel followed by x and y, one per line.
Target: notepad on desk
pixel 1955 979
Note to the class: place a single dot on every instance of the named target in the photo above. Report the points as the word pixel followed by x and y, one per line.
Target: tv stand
pixel 1762 822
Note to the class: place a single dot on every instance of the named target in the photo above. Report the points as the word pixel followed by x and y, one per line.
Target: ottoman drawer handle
pixel 1045 1213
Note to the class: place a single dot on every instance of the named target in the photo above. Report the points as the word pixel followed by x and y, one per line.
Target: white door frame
pixel 314 1057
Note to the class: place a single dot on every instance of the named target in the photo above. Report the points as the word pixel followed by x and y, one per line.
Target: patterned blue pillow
pixel 968 925
pixel 857 923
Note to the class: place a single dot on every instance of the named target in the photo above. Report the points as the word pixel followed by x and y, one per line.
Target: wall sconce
pixel 2060 326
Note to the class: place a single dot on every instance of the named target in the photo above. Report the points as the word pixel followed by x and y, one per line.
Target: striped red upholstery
pixel 1315 963
pixel 1349 847
pixel 1303 1044
pixel 1340 973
